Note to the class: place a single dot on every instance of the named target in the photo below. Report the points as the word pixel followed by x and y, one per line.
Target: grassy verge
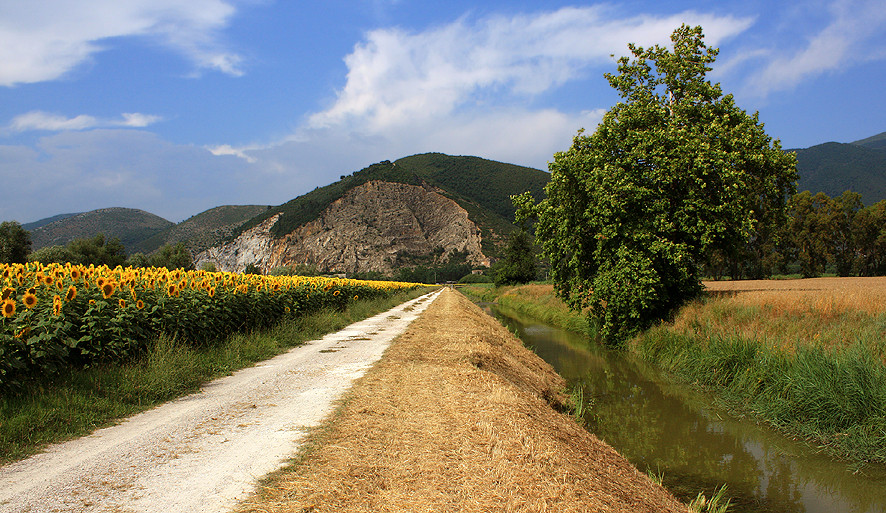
pixel 808 356
pixel 84 400
pixel 534 300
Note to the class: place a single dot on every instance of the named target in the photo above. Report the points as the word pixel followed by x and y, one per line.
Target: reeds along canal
pixel 674 431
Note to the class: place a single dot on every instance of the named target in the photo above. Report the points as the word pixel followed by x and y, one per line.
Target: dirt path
pixel 204 452
pixel 459 416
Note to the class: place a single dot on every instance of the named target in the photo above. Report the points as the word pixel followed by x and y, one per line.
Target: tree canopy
pixel 15 243
pixel 674 171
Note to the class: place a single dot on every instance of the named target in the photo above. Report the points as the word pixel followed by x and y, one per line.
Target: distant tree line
pixel 821 235
pixel 15 247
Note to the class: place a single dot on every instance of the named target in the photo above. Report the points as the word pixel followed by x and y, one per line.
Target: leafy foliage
pixel 518 264
pixel 97 251
pixel 172 256
pixel 674 171
pixel 15 243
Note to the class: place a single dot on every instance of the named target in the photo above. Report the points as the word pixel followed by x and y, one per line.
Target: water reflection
pixel 674 430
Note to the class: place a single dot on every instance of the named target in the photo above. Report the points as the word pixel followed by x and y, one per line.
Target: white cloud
pixel 45 121
pixel 842 43
pixel 396 78
pixel 43 40
pixel 227 149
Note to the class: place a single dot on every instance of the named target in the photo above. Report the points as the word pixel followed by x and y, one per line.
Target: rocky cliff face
pixel 377 226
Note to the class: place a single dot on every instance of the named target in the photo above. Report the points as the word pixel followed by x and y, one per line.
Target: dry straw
pixel 458 416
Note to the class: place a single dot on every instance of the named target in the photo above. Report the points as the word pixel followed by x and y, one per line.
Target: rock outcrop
pixel 377 226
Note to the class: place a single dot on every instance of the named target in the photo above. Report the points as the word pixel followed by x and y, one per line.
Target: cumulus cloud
pixel 842 43
pixel 397 77
pixel 43 40
pixel 45 121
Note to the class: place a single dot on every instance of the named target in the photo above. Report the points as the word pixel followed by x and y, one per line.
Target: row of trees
pixel 821 235
pixel 15 247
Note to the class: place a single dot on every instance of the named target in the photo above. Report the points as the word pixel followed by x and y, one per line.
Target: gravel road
pixel 205 452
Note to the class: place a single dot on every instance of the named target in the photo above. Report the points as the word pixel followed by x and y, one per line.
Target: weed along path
pixel 204 452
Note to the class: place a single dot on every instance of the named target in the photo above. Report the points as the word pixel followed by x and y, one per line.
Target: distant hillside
pixel 876 142
pixel 833 168
pixel 129 225
pixel 203 230
pixel 482 187
pixel 48 220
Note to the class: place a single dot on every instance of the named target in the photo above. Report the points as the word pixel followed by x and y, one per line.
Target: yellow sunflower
pixel 8 308
pixel 72 293
pixel 108 289
pixel 172 290
pixel 122 303
pixel 30 301
pixel 139 304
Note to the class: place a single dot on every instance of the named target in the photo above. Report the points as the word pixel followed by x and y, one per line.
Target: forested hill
pixel 130 225
pixel 482 187
pixel 833 168
pixel 876 142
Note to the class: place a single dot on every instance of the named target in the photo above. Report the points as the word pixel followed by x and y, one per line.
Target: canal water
pixel 676 432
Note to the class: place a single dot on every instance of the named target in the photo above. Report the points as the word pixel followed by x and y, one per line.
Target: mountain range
pixel 420 209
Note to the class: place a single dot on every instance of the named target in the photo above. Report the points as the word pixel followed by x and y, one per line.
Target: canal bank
pixel 459 416
pixel 676 432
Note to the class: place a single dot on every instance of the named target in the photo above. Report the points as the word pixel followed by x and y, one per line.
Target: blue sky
pixel 175 107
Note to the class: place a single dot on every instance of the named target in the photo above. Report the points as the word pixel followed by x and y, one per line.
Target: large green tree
pixel 674 171
pixel 15 243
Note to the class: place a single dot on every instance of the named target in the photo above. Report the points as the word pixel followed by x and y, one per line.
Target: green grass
pixel 537 301
pixel 834 398
pixel 84 400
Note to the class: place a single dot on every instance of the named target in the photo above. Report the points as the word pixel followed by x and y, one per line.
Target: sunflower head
pixel 57 307
pixel 76 274
pixel 122 303
pixel 172 290
pixel 108 289
pixel 71 294
pixel 48 279
pixel 8 308
pixel 8 292
pixel 211 291
pixel 139 304
pixel 30 301
pixel 100 282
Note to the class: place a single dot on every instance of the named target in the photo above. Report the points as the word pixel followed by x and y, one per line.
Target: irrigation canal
pixel 674 431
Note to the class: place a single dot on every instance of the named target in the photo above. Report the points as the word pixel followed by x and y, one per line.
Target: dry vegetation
pixel 458 416
pixel 825 312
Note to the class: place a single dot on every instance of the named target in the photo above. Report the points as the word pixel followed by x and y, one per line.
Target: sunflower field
pixel 60 316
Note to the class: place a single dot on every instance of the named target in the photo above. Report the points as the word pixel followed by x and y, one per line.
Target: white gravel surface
pixel 205 452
